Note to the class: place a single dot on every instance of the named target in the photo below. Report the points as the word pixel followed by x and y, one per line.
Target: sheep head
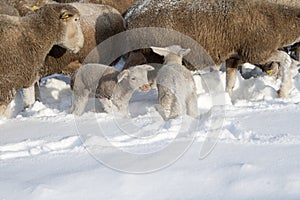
pixel 136 77
pixel 73 38
pixel 65 25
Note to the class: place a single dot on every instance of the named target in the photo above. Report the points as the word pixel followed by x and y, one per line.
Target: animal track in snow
pixel 31 148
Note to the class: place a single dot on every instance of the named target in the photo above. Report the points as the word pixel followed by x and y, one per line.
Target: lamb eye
pixel 133 79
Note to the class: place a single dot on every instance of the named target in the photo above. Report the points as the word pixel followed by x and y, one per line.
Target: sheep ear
pixel 184 52
pixel 65 15
pixel 123 75
pixel 35 8
pixel 160 51
pixel 147 67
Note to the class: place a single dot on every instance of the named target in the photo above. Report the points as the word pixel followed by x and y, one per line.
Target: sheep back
pixel 248 29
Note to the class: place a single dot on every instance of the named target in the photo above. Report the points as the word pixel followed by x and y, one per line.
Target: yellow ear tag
pixel 65 16
pixel 270 72
pixel 35 8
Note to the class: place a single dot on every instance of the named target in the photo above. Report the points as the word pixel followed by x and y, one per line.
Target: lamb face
pixel 136 77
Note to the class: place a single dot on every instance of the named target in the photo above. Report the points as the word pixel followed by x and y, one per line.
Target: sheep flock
pixel 44 37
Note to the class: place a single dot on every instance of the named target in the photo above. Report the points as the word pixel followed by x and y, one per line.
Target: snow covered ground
pixel 46 153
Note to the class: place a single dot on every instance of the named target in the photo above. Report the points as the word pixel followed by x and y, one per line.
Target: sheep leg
pixel 286 76
pixel 6 111
pixel 231 73
pixel 2 110
pixel 108 105
pixel 28 95
pixel 80 102
pixel 168 108
pixel 37 91
pixel 297 53
pixel 192 106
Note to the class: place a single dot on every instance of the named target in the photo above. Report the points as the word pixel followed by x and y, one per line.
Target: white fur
pixel 88 80
pixel 176 86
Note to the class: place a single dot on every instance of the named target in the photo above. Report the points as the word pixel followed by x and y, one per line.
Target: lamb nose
pixel 146 87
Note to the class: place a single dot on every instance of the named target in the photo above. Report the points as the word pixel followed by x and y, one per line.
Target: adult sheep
pixel 98 23
pixel 121 6
pixel 235 31
pixel 8 9
pixel 20 8
pixel 26 41
pixel 293 3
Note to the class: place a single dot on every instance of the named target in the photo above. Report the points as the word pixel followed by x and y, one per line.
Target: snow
pixel 246 147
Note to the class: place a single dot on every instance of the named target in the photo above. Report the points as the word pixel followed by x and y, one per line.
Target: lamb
pixel 121 6
pixel 235 31
pixel 175 83
pixel 113 88
pixel 26 41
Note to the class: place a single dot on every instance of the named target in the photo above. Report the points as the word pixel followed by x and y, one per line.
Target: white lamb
pixel 175 83
pixel 113 88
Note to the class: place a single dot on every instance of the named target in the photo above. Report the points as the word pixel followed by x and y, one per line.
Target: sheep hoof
pixel 282 94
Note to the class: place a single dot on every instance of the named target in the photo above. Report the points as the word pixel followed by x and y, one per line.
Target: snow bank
pixel 46 153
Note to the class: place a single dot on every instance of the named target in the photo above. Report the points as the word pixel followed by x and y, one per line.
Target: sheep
pixel 26 41
pixel 8 9
pixel 175 83
pixel 296 49
pixel 98 23
pixel 292 3
pixel 113 88
pixel 21 8
pixel 26 7
pixel 234 31
pixel 121 6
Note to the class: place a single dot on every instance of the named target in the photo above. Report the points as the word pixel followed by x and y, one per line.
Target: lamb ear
pixel 160 51
pixel 147 67
pixel 122 75
pixel 184 52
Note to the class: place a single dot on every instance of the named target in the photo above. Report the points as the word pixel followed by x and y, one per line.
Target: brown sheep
pixel 26 41
pixel 23 7
pixel 121 5
pixel 8 9
pixel 98 23
pixel 30 6
pixel 292 3
pixel 235 31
